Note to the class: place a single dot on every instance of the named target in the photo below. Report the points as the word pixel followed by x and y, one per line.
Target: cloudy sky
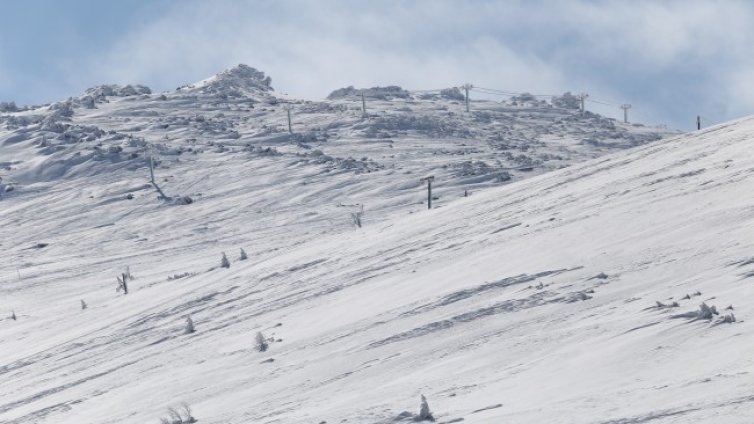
pixel 672 60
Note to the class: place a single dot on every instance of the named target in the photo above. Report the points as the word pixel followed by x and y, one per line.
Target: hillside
pixel 534 299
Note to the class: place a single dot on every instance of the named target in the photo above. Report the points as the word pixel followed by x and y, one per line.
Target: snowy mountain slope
pixel 538 296
pixel 494 144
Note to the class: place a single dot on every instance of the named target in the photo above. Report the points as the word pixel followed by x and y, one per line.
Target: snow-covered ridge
pixel 237 110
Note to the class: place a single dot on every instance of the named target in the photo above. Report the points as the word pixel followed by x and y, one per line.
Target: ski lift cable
pixel 493 91
pixel 437 90
pixel 498 92
pixel 486 90
pixel 508 93
pixel 600 102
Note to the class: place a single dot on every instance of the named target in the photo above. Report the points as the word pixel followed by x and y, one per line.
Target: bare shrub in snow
pixel 122 283
pixel 224 262
pixel 261 342
pixel 123 280
pixel 357 216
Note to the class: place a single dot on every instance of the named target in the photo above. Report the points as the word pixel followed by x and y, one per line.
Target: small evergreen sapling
pixel 189 325
pixel 13 315
pixel 261 342
pixel 243 255
pixel 224 262
pixel 83 304
pixel 424 412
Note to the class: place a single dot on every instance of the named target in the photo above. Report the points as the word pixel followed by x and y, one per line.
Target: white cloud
pixel 611 48
pixel 737 88
pixel 314 55
pixel 5 83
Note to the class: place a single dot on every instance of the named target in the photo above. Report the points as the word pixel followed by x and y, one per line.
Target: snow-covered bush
pixel 473 168
pixel 243 256
pixel 567 101
pixel 263 151
pixel 88 102
pixel 728 319
pixel 183 200
pixel 62 109
pixel 523 98
pixel 706 312
pixel 179 276
pixel 380 93
pixel 452 94
pixel 8 107
pixel 182 416
pixel 14 122
pixel 261 342
pixel 100 93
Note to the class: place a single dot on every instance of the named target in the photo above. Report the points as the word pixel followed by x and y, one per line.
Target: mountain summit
pixel 239 80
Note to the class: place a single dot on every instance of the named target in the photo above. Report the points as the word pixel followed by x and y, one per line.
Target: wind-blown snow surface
pixel 529 302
